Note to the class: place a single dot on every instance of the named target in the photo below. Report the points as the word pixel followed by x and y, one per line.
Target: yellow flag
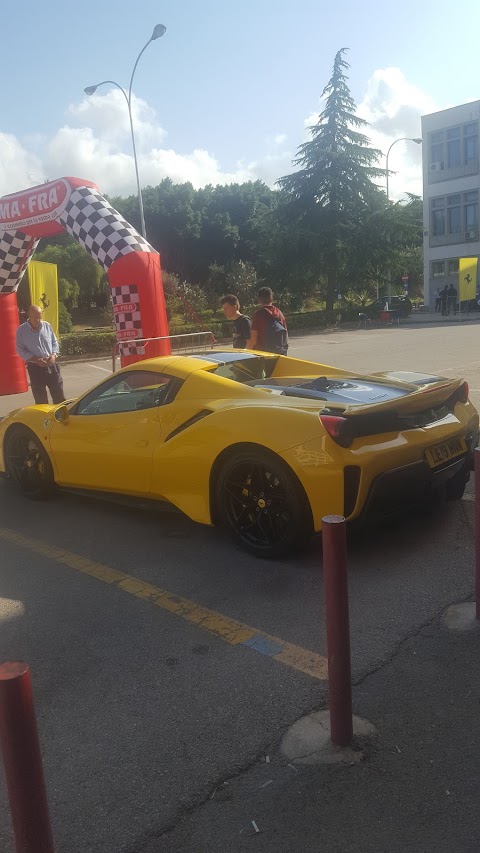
pixel 467 279
pixel 43 283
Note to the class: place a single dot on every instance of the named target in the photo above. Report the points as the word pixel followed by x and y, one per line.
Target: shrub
pixel 65 324
pixel 83 343
pixel 102 342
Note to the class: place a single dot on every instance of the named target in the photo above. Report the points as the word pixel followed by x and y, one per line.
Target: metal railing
pixel 180 344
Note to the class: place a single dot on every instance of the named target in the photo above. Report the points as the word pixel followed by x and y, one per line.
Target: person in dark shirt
pixel 242 324
pixel 452 298
pixel 444 298
pixel 269 327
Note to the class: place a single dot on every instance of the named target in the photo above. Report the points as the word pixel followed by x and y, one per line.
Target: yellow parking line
pixel 230 630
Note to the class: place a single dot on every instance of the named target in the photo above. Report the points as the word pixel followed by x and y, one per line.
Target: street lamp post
pixel 401 139
pixel 418 141
pixel 158 31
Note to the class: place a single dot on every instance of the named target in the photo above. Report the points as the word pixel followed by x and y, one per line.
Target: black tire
pixel 262 504
pixel 27 463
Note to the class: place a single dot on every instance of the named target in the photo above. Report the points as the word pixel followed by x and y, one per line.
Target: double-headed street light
pixel 158 31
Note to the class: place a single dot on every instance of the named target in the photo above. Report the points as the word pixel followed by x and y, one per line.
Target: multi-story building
pixel 451 187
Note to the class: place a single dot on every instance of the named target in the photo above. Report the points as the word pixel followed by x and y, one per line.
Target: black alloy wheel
pixel 28 464
pixel 262 504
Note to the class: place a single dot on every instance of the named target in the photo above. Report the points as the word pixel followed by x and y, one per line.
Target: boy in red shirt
pixel 269 327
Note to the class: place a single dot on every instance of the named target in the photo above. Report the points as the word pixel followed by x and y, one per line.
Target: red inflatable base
pixel 13 375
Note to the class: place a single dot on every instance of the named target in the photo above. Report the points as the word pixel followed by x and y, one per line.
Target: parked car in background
pixel 400 304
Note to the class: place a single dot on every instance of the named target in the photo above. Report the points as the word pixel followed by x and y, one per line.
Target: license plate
pixel 442 453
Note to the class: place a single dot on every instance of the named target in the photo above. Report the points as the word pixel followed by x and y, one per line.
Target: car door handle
pixel 141 444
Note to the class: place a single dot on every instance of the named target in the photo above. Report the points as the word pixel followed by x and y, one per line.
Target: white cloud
pixel 95 143
pixel 107 115
pixel 393 107
pixel 19 168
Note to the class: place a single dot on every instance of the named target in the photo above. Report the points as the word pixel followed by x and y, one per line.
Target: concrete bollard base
pixel 461 617
pixel 308 741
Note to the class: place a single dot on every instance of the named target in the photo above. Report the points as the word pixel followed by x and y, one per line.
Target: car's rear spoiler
pixel 428 396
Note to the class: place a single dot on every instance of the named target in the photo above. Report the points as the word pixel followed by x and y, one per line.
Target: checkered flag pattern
pixel 99 227
pixel 128 320
pixel 16 250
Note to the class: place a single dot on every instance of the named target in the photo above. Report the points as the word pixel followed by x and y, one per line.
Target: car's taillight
pixel 338 428
pixel 462 393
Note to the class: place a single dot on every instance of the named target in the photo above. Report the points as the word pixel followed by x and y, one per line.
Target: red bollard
pixel 22 761
pixel 476 459
pixel 338 629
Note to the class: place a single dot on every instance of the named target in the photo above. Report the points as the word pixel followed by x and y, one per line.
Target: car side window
pixel 129 392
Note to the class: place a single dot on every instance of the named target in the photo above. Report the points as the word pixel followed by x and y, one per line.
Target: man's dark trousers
pixel 42 378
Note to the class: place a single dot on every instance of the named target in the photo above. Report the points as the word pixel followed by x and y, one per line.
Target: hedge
pixel 102 342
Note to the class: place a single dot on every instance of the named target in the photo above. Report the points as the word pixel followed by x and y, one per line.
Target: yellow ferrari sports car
pixel 263 445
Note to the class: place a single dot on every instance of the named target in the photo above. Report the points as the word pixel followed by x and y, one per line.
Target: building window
pixel 470 142
pixel 453 148
pixel 436 147
pixel 438 269
pixel 438 216
pixel 454 213
pixel 453 267
pixel 471 210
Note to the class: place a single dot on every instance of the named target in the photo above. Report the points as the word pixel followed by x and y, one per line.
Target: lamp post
pixel 415 139
pixel 158 31
pixel 418 141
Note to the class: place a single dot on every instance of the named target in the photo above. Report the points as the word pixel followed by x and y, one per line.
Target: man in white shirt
pixel 37 345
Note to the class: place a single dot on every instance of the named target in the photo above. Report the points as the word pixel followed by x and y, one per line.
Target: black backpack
pixel 276 337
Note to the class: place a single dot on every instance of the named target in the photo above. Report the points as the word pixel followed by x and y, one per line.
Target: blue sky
pixel 226 93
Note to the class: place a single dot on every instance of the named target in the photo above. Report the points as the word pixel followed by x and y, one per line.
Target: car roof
pixel 183 365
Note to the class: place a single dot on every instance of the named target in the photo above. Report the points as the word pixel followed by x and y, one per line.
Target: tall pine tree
pixel 333 188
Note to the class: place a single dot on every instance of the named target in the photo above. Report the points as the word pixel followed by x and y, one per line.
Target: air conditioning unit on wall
pixel 436 167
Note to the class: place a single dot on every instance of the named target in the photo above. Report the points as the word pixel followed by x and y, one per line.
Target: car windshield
pixel 241 367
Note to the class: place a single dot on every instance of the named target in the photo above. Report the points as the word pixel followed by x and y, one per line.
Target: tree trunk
pixel 331 283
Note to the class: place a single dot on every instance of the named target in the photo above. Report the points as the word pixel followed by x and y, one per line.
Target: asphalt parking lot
pixel 165 660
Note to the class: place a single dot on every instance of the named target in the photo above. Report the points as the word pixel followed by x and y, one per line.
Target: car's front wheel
pixel 262 503
pixel 27 463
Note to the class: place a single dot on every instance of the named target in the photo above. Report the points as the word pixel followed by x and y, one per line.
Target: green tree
pixel 241 279
pixel 65 324
pixel 87 281
pixel 196 229
pixel 386 242
pixel 334 184
pixel 68 293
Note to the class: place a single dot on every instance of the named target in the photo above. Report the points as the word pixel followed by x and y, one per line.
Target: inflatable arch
pixel 133 266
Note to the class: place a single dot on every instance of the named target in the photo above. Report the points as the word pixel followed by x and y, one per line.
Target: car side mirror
pixel 62 414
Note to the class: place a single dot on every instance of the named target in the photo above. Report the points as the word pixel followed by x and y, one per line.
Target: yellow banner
pixel 467 279
pixel 43 282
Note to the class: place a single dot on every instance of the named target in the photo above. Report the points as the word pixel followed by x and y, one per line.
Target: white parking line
pixel 97 367
pixel 312 346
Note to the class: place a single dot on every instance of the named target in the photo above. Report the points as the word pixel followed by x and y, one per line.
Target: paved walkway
pixel 436 317
pixel 417 791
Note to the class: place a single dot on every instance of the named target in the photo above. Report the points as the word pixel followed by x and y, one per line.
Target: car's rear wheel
pixel 262 503
pixel 27 463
